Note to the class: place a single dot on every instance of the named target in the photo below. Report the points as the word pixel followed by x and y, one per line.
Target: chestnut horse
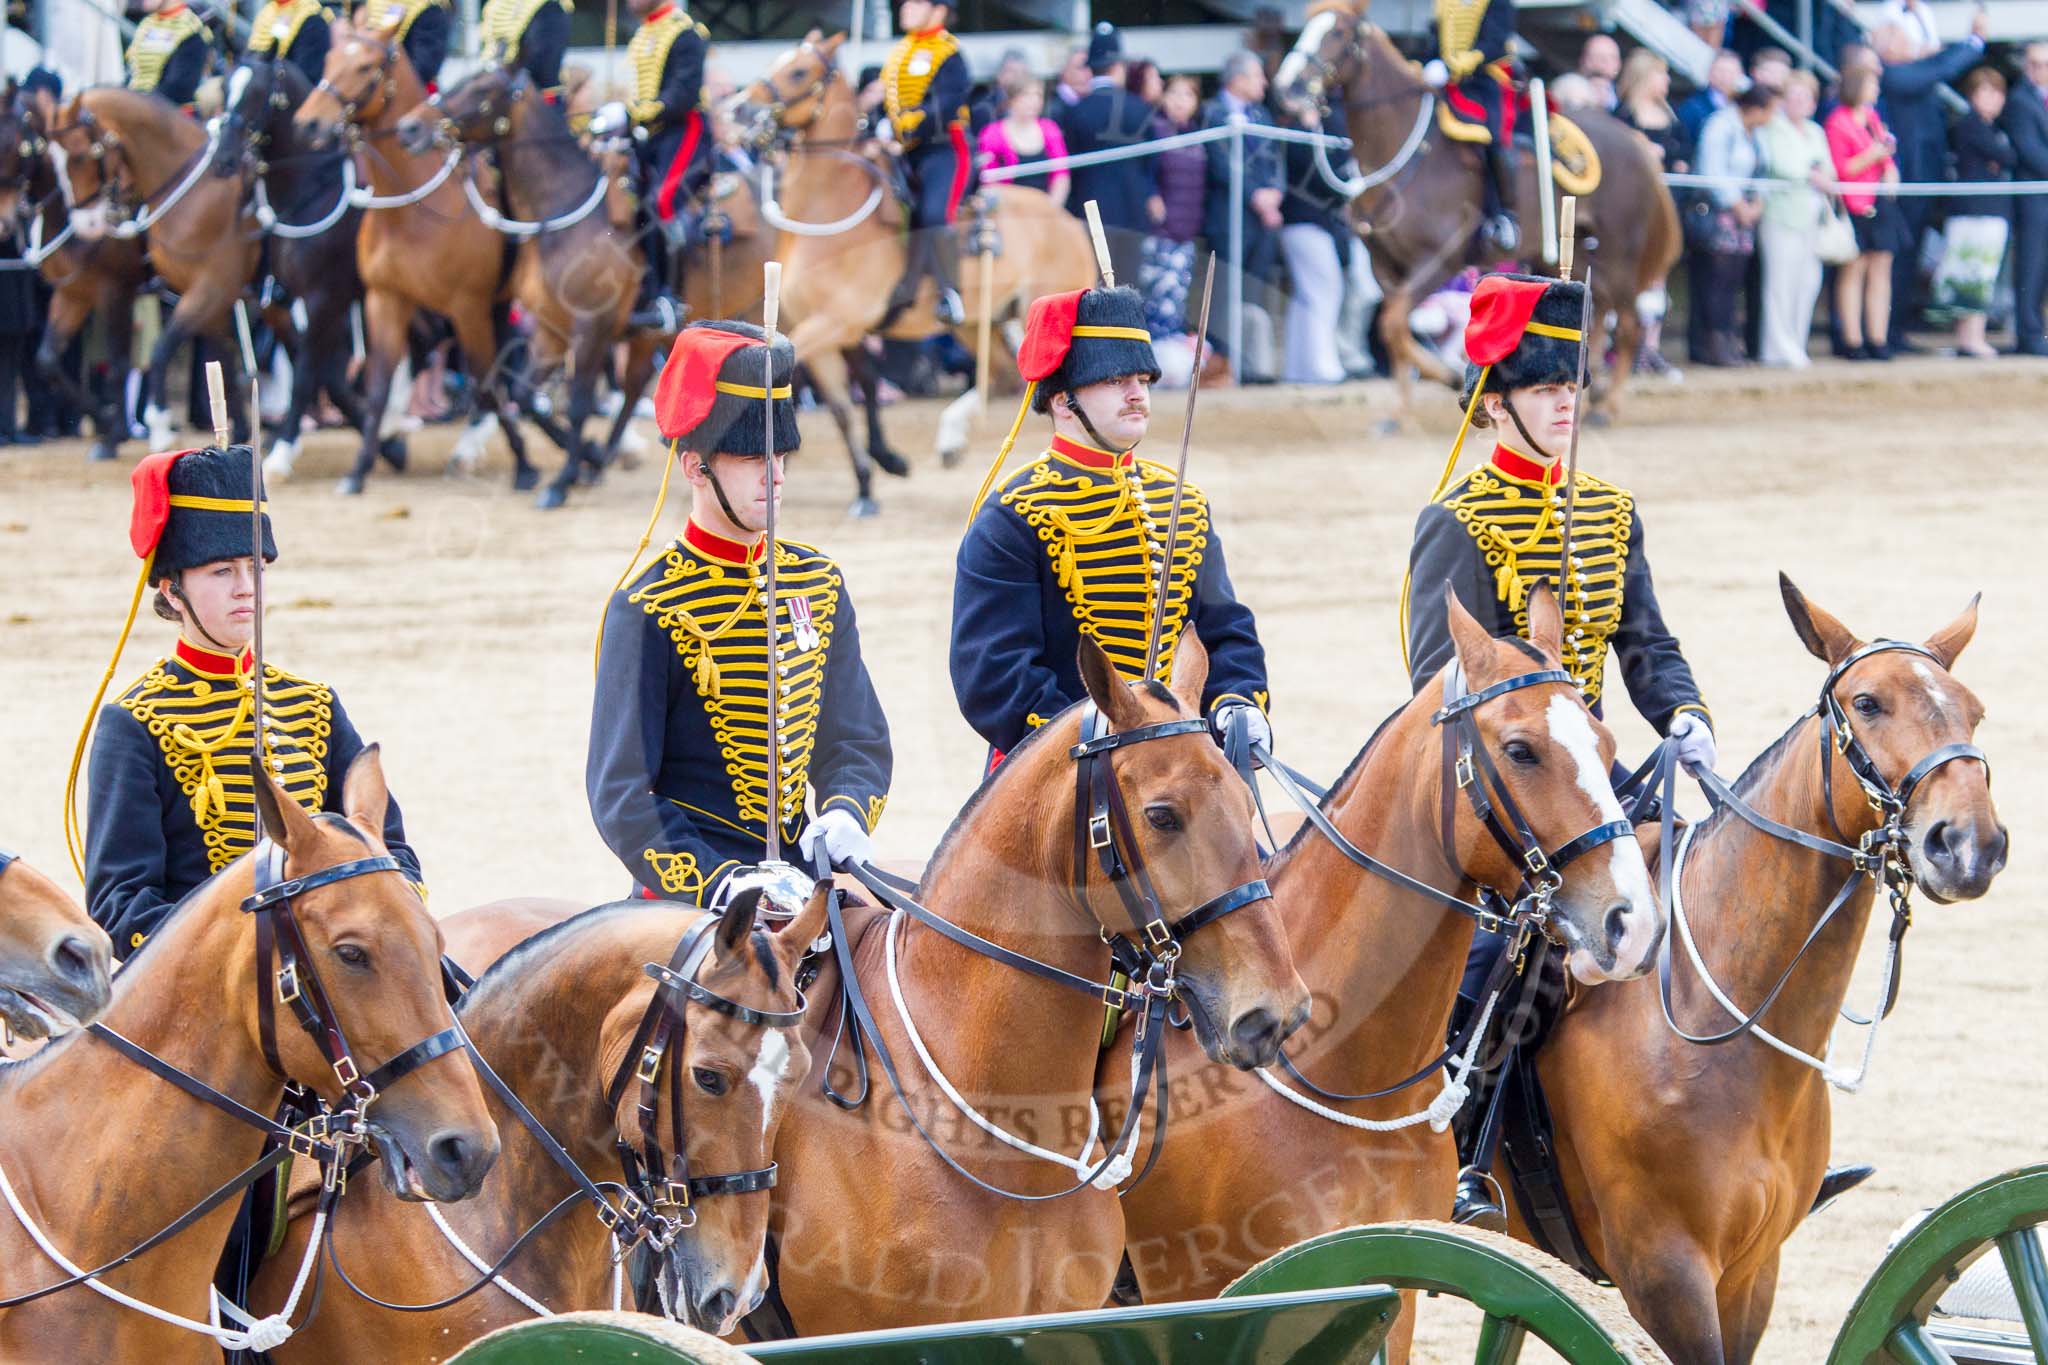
pixel 131 155
pixel 556 1019
pixel 1687 1167
pixel 427 251
pixel 357 946
pixel 875 1228
pixel 1419 221
pixel 55 971
pixel 836 289
pixel 1249 1171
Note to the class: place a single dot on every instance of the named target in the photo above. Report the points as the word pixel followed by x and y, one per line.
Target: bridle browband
pixel 1881 855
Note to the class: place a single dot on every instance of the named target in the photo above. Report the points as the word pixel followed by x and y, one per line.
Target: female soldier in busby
pixel 169 797
pixel 678 770
pixel 1074 543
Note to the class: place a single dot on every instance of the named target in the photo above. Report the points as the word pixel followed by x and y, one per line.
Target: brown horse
pixel 873 1227
pixel 1687 1167
pixel 1248 1171
pixel 1419 222
pixel 128 157
pixel 556 1018
pixel 836 288
pixel 55 963
pixel 80 1111
pixel 85 278
pixel 425 251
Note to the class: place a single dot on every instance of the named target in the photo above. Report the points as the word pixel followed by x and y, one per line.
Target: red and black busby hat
pixel 709 397
pixel 192 507
pixel 1524 330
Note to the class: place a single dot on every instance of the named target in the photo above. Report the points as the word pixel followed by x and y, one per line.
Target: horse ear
pixel 1190 670
pixel 1546 621
pixel 830 46
pixel 738 920
pixel 1952 638
pixel 1473 645
pixel 1106 689
pixel 284 820
pixel 365 798
pixel 1824 637
pixel 794 939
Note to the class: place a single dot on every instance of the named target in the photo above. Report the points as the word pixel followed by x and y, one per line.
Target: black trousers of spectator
pixel 1918 213
pixel 1753 305
pixel 1699 273
pixel 2030 271
pixel 14 354
pixel 1717 285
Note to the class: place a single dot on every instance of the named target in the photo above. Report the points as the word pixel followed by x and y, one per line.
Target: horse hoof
pixel 392 449
pixel 550 498
pixel 350 486
pixel 101 451
pixel 526 480
pixel 889 462
pixel 863 507
pixel 589 475
pixel 947 459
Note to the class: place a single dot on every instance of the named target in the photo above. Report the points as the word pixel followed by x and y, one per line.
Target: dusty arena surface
pixel 457 623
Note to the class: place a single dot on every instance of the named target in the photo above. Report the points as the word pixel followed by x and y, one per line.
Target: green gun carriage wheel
pixel 1522 1292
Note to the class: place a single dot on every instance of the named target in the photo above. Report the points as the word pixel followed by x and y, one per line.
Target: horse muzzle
pixel 415 134
pixel 446 1168
pixel 1957 860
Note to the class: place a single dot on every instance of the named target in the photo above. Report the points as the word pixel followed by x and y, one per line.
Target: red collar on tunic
pixel 206 661
pixel 1087 456
pixel 721 549
pixel 1516 465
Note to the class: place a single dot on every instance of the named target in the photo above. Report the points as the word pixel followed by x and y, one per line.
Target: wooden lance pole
pixel 1180 481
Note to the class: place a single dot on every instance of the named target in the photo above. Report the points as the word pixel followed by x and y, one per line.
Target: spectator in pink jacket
pixel 1023 135
pixel 1862 149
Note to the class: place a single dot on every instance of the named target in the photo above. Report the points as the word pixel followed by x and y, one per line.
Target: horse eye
pixel 1520 752
pixel 1866 705
pixel 353 955
pixel 708 1081
pixel 1162 818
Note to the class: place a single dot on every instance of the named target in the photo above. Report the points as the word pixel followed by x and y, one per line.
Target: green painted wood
pixel 1925 1262
pixel 1910 1345
pixel 599 1339
pixel 1500 1342
pixel 1341 1325
pixel 2028 1271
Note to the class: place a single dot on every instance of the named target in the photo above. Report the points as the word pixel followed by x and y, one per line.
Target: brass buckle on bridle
pixel 1099 833
pixel 650 1064
pixel 288 982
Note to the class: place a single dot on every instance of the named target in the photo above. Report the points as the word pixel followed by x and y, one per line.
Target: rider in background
pixel 170 53
pixel 672 151
pixel 169 797
pixel 1074 542
pixel 1473 37
pixel 1497 532
pixel 531 35
pixel 295 31
pixel 925 86
pixel 421 28
pixel 678 769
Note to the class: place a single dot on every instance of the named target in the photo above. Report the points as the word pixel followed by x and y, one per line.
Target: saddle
pixel 1575 165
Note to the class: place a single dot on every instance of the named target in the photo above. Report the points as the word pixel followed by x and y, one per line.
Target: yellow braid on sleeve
pixel 74 837
pixel 995 467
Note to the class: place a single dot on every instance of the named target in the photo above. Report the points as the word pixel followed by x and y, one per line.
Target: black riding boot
pixel 1501 227
pixel 656 305
pixel 1480 1201
pixel 917 263
pixel 945 268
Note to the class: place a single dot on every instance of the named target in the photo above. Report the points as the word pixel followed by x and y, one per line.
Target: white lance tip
pixel 771 300
pixel 1567 235
pixel 217 395
pixel 1101 245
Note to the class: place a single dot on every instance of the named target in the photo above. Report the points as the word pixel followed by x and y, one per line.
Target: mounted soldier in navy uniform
pixel 1475 69
pixel 421 27
pixel 1107 117
pixel 672 153
pixel 295 31
pixel 170 52
pixel 1074 542
pixel 169 796
pixel 925 86
pixel 678 775
pixel 529 35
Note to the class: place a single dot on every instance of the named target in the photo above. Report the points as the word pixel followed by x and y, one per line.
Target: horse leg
pixel 176 331
pixel 1745 1315
pixel 621 442
pixel 1671 1290
pixel 1401 349
pixel 66 316
pixel 586 359
pixel 828 377
pixel 386 317
pixel 865 371
pixel 1628 343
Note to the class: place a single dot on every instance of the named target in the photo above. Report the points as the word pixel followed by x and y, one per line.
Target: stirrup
pixel 1838 1181
pixel 1503 231
pixel 1480 1201
pixel 949 308
pixel 661 313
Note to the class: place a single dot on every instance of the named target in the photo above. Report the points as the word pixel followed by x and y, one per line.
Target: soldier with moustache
pixel 1074 542
pixel 925 87
pixel 295 31
pixel 169 797
pixel 529 35
pixel 170 52
pixel 678 773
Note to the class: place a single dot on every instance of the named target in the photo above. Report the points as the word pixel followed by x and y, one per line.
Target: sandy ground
pixel 457 623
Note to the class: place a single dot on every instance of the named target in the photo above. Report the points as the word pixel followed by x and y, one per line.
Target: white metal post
pixel 1236 250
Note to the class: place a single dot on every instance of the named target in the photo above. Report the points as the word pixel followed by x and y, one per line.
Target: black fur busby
pixel 1105 48
pixel 709 398
pixel 1093 359
pixel 218 528
pixel 1514 338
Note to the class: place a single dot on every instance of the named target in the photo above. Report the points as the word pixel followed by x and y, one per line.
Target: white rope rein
pixel 36 252
pixel 771 211
pixel 513 227
pixel 366 199
pixel 1359 184
pixel 266 217
pixel 1440 1111
pixel 148 216
pixel 257 1334
pixel 1114 1174
pixel 1845 1081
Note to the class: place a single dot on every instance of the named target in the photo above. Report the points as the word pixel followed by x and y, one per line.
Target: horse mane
pixel 1753 776
pixel 521 958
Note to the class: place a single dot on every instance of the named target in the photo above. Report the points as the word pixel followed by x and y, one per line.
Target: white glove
pixel 1258 730
pixel 783 888
pixel 839 830
pixel 1435 74
pixel 1695 741
pixel 610 120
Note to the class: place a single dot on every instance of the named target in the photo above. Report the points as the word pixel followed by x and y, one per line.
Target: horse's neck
pixel 1389 959
pixel 390 168
pixel 1380 124
pixel 545 172
pixel 1751 900
pixel 292 175
pixel 818 182
pixel 155 144
pixel 85 1109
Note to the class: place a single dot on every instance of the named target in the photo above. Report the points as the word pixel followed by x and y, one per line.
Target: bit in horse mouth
pixel 38 1010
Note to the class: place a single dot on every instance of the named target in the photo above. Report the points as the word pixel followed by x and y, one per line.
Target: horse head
pixel 86 156
pixel 1323 60
pixel 21 147
pixel 790 95
pixel 1551 758
pixel 479 109
pixel 357 86
pixel 255 115
pixel 1191 822
pixel 373 964
pixel 55 970
pixel 1899 710
pixel 718 1092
